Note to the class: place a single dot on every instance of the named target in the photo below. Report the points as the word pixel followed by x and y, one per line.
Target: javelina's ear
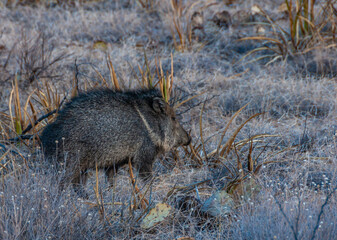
pixel 159 105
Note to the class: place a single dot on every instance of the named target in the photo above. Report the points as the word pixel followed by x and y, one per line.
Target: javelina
pixel 107 128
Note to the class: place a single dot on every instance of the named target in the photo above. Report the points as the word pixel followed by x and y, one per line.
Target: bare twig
pixel 287 219
pixel 196 105
pixel 321 213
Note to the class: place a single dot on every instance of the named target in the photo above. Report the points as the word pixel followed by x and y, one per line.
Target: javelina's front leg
pixel 143 163
pixel 110 172
pixel 79 181
pixel 145 171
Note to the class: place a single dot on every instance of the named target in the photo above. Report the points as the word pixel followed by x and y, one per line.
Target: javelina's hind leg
pixel 145 170
pixel 78 181
pixel 62 185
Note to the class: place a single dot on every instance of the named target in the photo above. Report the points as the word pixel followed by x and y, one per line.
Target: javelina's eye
pixel 173 118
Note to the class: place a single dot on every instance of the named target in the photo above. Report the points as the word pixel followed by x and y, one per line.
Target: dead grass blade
pixel 201 134
pixel 189 99
pixel 99 197
pixel 249 157
pixel 143 201
pixel 225 150
pixel 227 126
pixel 100 76
pixel 253 139
pixel 239 166
pixel 194 153
pixel 113 76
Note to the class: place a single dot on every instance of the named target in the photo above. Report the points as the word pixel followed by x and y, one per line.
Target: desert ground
pixel 253 82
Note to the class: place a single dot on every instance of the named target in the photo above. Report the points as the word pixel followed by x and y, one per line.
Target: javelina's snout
pixel 187 140
pixel 184 137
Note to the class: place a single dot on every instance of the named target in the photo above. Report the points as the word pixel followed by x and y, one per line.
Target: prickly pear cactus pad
pixel 156 215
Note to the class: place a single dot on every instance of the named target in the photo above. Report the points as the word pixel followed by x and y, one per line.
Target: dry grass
pixel 309 29
pixel 264 137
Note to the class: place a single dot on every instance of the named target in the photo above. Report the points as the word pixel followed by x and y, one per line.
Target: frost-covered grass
pixel 61 43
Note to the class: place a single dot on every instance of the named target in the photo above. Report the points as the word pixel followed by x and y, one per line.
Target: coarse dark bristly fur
pixel 107 128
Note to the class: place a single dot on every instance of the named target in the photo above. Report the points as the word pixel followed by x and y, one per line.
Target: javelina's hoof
pixel 81 192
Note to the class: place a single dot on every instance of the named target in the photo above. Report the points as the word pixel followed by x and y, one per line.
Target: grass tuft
pixel 306 31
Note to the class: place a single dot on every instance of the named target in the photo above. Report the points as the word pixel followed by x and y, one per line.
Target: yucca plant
pixel 306 30
pixel 147 77
pixel 23 118
pixel 222 155
pixel 182 22
pixel 198 152
pixel 240 158
pixel 18 118
pixel 165 82
pixel 48 97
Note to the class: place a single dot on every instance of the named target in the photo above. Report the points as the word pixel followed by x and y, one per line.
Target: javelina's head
pixel 173 133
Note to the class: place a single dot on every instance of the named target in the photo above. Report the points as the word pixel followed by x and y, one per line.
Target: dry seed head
pixel 197 20
pixel 255 9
